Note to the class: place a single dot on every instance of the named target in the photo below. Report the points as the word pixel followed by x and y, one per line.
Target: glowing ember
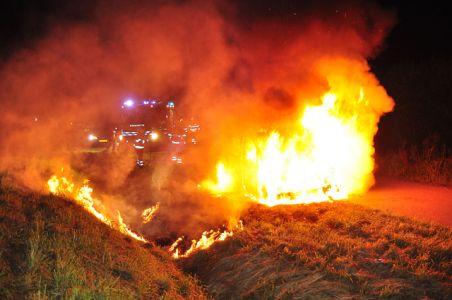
pixel 207 239
pixel 149 213
pixel 83 196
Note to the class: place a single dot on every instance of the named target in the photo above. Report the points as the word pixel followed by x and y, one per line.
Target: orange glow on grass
pixel 208 238
pixel 83 196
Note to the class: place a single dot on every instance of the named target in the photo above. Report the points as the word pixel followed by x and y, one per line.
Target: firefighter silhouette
pixel 116 139
pixel 139 143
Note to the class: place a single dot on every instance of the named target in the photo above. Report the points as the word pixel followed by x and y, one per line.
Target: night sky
pixel 414 64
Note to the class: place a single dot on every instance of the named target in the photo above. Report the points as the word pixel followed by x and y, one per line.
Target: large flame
pixel 326 155
pixel 328 158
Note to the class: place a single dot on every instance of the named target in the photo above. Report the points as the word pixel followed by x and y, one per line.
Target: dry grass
pixel 426 163
pixel 326 251
pixel 52 249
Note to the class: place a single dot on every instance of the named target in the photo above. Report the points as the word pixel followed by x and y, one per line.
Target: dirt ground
pixel 420 201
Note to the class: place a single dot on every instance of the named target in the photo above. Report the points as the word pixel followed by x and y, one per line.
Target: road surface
pixel 419 201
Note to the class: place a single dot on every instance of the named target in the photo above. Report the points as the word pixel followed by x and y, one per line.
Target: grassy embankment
pixel 50 248
pixel 328 250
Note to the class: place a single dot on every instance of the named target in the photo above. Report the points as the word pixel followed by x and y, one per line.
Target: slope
pixel 328 251
pixel 52 248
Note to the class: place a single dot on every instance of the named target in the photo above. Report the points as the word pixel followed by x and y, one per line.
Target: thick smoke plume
pixel 234 71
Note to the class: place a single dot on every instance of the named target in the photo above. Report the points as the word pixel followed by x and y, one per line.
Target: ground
pixel 421 201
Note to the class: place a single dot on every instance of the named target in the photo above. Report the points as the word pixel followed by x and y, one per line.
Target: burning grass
pixel 51 248
pixel 328 250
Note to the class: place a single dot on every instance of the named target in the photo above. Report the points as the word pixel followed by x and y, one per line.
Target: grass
pixel 426 163
pixel 50 248
pixel 325 251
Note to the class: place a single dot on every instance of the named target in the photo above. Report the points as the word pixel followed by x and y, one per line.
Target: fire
pixel 208 238
pixel 223 181
pixel 173 249
pixel 83 196
pixel 326 155
pixel 326 159
pixel 149 213
pixel 123 228
pixel 60 185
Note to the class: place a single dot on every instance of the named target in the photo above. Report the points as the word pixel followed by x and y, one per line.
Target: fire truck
pixel 148 126
pixel 152 126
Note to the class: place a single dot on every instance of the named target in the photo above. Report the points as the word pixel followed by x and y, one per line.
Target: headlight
pixel 92 137
pixel 154 136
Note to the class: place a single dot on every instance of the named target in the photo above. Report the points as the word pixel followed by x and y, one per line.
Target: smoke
pixel 235 71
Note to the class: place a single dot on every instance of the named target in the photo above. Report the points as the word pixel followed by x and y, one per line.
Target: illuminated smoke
pixel 238 75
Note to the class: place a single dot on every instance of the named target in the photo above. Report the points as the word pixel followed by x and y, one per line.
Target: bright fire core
pixel 325 160
pixel 327 156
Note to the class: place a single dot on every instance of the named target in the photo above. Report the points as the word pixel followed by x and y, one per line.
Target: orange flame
pixel 223 181
pixel 207 239
pixel 149 213
pixel 123 228
pixel 328 154
pixel 173 246
pixel 327 160
pixel 83 196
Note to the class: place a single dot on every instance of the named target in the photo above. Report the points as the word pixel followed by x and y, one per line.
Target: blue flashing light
pixel 128 103
pixel 170 104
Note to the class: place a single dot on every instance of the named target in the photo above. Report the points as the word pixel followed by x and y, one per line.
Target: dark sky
pixel 24 21
pixel 414 63
pixel 415 68
pixel 422 29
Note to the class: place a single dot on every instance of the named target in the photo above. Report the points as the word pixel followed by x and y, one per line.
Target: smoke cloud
pixel 234 71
